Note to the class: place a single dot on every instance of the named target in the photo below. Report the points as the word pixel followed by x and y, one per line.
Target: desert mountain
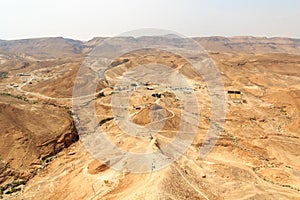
pixel 42 47
pixel 239 44
pixel 62 47
pixel 251 44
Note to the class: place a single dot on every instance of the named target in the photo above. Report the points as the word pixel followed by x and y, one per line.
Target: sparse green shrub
pixel 3 75
pixel 100 95
pixel 23 98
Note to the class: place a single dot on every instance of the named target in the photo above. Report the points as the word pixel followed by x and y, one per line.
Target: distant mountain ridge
pixel 63 47
pixel 42 47
pixel 249 44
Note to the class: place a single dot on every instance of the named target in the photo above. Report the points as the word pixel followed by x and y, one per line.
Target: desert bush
pixel 3 75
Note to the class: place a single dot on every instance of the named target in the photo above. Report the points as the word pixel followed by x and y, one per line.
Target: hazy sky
pixel 85 19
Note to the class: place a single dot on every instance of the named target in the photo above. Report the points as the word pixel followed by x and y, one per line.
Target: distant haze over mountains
pixel 62 47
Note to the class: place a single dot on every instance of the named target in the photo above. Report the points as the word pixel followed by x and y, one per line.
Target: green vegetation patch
pixel 3 75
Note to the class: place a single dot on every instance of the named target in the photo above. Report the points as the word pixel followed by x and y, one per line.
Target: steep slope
pixel 30 135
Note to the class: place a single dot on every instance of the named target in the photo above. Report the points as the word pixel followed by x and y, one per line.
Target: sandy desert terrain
pixel 256 156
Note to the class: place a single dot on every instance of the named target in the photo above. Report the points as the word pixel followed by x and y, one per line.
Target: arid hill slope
pixel 31 133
